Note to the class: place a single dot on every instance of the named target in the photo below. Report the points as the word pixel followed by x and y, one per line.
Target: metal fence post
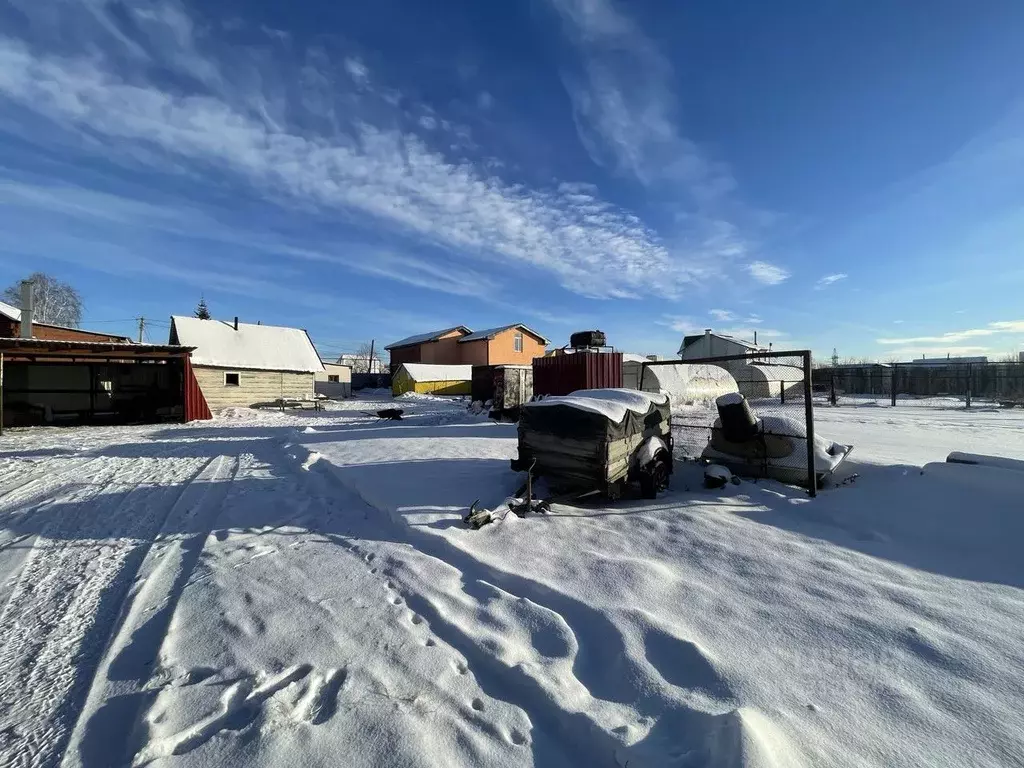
pixel 812 478
pixel 969 385
pixel 832 397
pixel 892 384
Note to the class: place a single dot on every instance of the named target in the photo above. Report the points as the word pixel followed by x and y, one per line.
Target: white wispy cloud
pixel 769 274
pixel 828 280
pixel 955 337
pixel 909 353
pixel 624 104
pixel 728 316
pixel 590 246
pixel 689 325
pixel 298 135
pixel 357 70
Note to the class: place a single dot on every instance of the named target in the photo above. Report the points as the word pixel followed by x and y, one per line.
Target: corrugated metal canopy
pixel 13 348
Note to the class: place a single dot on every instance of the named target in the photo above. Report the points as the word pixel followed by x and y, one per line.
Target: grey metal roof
pixel 490 333
pixel 421 338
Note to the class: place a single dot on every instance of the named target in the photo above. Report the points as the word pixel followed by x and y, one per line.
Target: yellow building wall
pixel 401 383
pixel 443 387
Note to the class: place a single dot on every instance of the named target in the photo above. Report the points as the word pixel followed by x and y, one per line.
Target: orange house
pixel 509 344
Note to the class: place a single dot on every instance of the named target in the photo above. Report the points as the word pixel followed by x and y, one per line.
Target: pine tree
pixel 202 311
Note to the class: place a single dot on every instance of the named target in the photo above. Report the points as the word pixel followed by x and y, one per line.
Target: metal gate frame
pixel 755 357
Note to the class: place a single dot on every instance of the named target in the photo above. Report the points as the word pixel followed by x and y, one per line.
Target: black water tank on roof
pixel 582 339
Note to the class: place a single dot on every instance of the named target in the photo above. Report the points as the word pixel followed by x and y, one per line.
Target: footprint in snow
pixel 241 705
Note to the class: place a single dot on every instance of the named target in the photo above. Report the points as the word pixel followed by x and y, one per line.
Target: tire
pixel 654 478
pixel 613 491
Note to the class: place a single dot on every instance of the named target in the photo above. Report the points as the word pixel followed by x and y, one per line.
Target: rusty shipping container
pixel 562 374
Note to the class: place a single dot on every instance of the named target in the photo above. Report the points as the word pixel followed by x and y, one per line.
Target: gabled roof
pixel 422 338
pixel 688 340
pixel 11 313
pixel 490 333
pixel 251 347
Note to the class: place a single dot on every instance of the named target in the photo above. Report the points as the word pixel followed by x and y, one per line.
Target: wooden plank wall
pixel 254 386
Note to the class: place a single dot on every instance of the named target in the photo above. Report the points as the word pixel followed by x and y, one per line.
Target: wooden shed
pixel 56 382
pixel 241 364
pixel 428 379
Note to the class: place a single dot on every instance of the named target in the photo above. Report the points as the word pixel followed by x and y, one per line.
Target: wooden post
pixel 892 384
pixel 812 476
pixel 92 394
pixel 969 372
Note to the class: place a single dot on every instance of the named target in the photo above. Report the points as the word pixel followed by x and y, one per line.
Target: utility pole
pixel 142 328
pixel 369 363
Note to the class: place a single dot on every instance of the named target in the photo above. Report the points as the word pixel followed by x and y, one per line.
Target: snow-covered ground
pixel 276 589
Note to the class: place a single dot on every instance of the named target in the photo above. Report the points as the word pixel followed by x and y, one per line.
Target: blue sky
pixel 832 174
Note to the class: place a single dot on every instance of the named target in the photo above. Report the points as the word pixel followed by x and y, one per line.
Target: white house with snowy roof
pixel 239 364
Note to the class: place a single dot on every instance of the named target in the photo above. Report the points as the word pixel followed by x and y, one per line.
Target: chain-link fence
pixel 777 387
pixel 951 385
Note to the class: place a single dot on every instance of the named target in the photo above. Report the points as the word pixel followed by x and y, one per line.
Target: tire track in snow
pixel 38 489
pixel 60 614
pixel 69 489
pixel 104 730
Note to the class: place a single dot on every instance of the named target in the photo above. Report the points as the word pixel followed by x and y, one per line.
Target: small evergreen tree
pixel 202 311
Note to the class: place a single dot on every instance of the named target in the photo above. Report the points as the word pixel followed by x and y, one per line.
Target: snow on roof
pixel 610 403
pixel 431 372
pixel 490 333
pixel 12 313
pixel 420 338
pixel 629 357
pixel 688 340
pixel 251 347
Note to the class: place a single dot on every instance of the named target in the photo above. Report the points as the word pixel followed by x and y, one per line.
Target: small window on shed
pixel 518 342
pixel 231 380
pixel 332 377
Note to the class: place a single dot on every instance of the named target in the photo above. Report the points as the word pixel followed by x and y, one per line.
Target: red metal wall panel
pixel 562 374
pixel 196 408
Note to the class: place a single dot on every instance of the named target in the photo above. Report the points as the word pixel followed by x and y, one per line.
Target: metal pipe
pixel 812 476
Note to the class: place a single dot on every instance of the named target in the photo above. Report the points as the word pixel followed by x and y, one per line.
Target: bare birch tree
pixel 56 302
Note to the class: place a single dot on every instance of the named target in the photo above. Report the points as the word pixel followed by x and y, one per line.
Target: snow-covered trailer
pixel 598 440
